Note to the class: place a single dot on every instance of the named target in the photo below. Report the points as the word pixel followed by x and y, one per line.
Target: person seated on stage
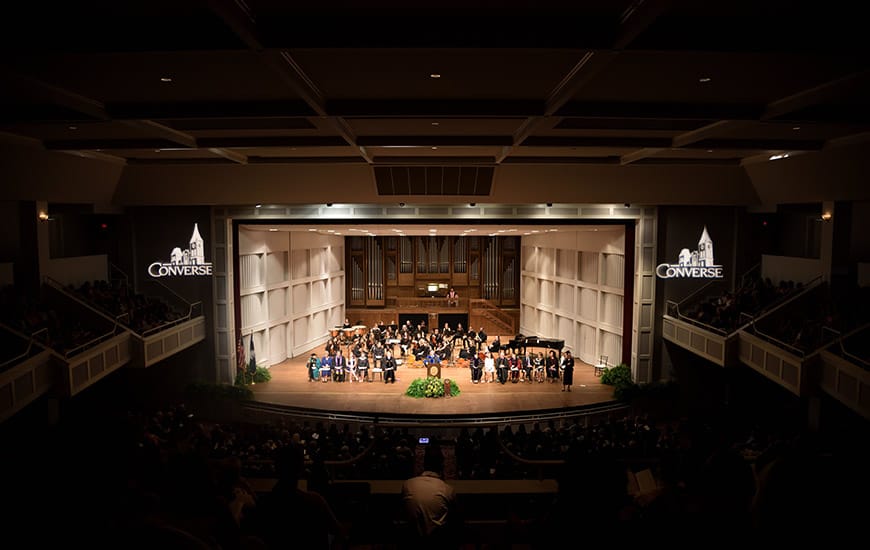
pixel 514 366
pixel 352 368
pixel 488 368
pixel 502 367
pixel 446 332
pixel 476 367
pixel 362 367
pixel 346 323
pixel 313 368
pixel 552 365
pixel 481 338
pixel 326 368
pixel 339 363
pixel 538 364
pixel 526 367
pixel 452 298
pixel 389 368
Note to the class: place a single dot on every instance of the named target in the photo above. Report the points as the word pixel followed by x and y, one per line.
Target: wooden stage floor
pixel 289 387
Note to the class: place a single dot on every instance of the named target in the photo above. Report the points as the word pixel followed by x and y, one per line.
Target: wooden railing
pixel 426 303
pixel 489 310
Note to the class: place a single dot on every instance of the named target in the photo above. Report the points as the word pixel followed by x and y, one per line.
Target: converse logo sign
pixel 184 263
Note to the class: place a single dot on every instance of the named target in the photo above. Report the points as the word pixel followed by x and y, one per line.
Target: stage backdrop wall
pixel 291 291
pixel 572 288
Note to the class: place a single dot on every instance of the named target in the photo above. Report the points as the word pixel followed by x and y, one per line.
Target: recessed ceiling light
pixel 435 75
pixel 704 79
pixel 779 156
pixel 165 79
pixel 436 123
pixel 73 127
pixel 434 148
pixel 272 229
pixel 312 229
pixel 796 128
pixel 258 206
pixel 709 150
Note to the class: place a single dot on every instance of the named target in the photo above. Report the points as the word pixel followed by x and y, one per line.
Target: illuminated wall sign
pixel 695 264
pixel 184 263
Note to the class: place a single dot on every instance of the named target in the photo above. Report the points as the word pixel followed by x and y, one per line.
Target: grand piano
pixel 520 342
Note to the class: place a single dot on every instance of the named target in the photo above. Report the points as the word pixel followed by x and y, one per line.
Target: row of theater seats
pixel 59 326
pixel 814 318
pixel 58 323
pixel 186 471
pixel 136 311
pixel 728 310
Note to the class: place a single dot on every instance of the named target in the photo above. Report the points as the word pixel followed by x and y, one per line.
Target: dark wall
pixel 155 232
pixel 681 227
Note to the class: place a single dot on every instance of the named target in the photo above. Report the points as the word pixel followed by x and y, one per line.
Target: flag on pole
pixel 252 361
pixel 241 364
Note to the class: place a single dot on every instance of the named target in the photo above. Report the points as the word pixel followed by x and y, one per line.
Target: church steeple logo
pixel 693 264
pixel 189 262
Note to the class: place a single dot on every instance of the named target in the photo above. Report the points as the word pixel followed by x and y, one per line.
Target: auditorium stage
pixel 289 387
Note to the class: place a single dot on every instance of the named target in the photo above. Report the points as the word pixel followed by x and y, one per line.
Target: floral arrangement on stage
pixel 432 387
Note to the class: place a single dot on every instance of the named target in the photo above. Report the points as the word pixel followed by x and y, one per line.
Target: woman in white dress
pixel 351 366
pixel 488 368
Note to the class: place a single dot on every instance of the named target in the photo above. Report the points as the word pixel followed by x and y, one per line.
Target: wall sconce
pixel 826 216
pixel 43 216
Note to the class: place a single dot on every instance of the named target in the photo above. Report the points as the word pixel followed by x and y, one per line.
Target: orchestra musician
pixel 496 346
pixel 481 338
pixel 470 339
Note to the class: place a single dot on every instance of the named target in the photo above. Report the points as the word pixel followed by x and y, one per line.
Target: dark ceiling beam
pixel 661 110
pixel 197 110
pixel 435 107
pixel 761 144
pixel 580 141
pixel 237 15
pixel 423 141
pixel 273 141
pixel 561 160
pixel 636 18
pixel 434 161
pixel 165 132
pixel 96 155
pixel 242 21
pixel 229 154
pixel 640 154
pixel 42 92
pixel 705 132
pixel 818 94
pixel 110 144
